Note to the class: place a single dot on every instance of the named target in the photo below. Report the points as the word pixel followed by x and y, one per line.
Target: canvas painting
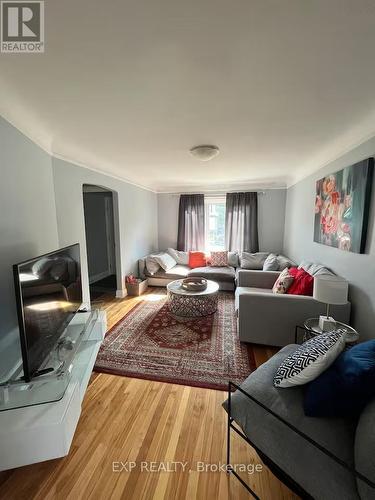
pixel 342 207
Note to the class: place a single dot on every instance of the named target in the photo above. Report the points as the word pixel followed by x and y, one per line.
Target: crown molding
pixel 61 157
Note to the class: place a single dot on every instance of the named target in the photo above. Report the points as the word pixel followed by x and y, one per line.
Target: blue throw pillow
pixel 346 386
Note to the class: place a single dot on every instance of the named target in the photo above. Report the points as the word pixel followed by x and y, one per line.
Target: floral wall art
pixel 342 207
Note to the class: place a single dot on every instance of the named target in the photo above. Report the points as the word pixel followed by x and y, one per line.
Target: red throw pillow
pixel 303 283
pixel 197 259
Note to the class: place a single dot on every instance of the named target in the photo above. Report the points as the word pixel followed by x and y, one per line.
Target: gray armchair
pixel 268 318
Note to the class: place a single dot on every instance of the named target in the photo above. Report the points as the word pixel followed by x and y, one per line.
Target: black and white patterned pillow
pixel 309 360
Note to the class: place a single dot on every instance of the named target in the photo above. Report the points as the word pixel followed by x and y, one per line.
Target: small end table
pixel 311 327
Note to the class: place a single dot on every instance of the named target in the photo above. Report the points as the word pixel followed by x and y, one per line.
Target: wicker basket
pixel 194 284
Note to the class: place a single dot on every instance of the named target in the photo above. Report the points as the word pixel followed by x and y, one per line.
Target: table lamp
pixel 330 290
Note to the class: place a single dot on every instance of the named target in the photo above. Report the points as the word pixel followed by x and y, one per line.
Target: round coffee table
pixel 182 302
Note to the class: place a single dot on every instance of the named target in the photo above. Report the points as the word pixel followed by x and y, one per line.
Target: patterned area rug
pixel 150 343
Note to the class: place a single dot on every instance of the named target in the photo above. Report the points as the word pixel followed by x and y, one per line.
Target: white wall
pixel 41 209
pixel 358 269
pixel 137 214
pixel 27 224
pixel 271 214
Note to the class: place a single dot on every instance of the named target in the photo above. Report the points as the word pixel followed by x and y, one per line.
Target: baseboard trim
pixel 121 294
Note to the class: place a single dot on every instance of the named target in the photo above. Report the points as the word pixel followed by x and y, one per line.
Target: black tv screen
pixel 48 294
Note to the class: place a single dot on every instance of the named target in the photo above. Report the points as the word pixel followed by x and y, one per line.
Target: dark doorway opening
pixel 100 240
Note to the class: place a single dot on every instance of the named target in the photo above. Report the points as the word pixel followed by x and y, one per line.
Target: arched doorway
pixel 101 230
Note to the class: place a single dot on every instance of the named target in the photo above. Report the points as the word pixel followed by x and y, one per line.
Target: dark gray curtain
pixel 241 222
pixel 191 222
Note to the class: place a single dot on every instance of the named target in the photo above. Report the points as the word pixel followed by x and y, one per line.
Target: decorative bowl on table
pixel 194 284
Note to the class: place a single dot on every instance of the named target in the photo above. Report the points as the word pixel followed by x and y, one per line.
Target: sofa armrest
pixel 256 279
pixel 270 318
pixel 142 267
pixel 247 415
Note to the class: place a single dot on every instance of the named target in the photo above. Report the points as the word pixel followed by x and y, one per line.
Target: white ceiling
pixel 128 87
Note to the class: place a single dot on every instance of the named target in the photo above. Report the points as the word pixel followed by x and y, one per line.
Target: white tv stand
pixel 33 429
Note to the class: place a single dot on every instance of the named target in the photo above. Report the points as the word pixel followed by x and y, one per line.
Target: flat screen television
pixel 48 294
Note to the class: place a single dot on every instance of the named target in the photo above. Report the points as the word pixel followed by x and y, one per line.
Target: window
pixel 215 223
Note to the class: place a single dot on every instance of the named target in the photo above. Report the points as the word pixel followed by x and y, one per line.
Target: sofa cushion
pixel 165 261
pixel 271 263
pixel 177 272
pixel 252 260
pixel 284 262
pixel 219 259
pixel 179 256
pixel 233 259
pixel 314 269
pixel 346 387
pixel 291 452
pixel 283 282
pixel 303 283
pixel 152 265
pixel 214 273
pixel 197 259
pixel 364 451
pixel 309 360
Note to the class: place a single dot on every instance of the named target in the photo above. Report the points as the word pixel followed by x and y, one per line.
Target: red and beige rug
pixel 152 344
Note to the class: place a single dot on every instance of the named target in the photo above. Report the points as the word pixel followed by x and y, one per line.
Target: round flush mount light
pixel 204 152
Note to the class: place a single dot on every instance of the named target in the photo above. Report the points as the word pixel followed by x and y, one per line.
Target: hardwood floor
pixel 149 423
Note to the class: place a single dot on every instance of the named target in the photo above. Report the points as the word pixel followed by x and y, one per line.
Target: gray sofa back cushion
pixel 271 263
pixel 180 257
pixel 233 259
pixel 151 265
pixel 364 451
pixel 314 269
pixel 253 260
pixel 285 262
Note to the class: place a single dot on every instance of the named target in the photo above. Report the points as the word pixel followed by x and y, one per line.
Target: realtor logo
pixel 22 27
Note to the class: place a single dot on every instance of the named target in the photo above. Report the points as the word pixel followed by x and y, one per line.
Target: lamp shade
pixel 330 289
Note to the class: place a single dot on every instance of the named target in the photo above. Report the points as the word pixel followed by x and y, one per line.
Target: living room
pixel 236 356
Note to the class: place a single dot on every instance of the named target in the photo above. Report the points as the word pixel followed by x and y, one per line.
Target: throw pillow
pixel 180 257
pixel 233 259
pixel 165 261
pixel 271 263
pixel 309 360
pixel 314 269
pixel 197 259
pixel 152 265
pixel 303 283
pixel 346 387
pixel 219 259
pixel 283 282
pixel 252 260
pixel 284 262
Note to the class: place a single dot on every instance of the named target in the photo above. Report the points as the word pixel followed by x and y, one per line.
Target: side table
pixel 311 328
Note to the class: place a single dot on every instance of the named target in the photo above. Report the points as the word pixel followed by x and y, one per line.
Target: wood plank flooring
pixel 149 423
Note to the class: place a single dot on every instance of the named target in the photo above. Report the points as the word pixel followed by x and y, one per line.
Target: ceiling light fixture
pixel 204 152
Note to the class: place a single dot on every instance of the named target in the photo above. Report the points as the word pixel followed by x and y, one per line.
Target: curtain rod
pixel 218 193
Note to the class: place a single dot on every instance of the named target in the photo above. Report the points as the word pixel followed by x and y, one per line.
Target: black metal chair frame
pixel 275 469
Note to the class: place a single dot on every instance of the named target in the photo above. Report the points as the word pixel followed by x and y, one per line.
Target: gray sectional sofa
pixel 263 317
pixel 224 276
pixel 349 440
pixel 270 318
